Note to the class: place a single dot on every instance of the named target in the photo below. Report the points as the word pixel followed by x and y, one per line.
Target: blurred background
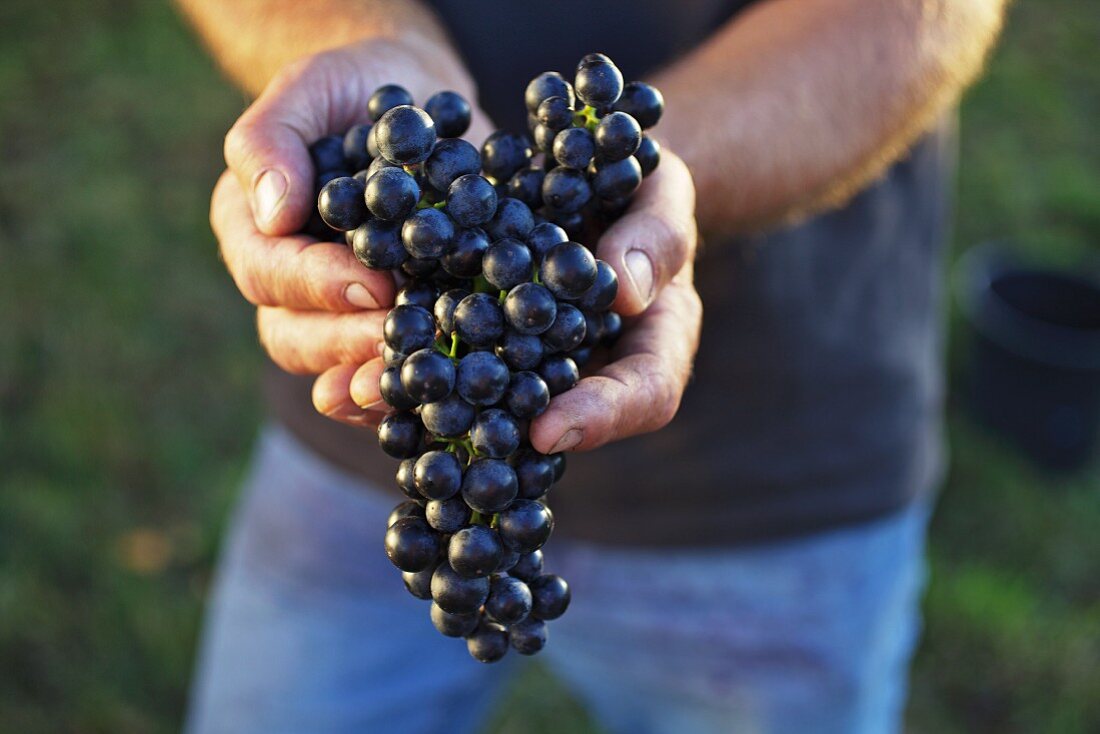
pixel 128 402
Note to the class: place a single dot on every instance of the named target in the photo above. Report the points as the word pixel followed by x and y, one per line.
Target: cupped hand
pixel 318 308
pixel 652 249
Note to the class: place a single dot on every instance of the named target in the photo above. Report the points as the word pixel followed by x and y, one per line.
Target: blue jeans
pixel 310 629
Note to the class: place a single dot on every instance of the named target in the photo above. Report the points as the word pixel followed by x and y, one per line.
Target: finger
pixel 331 397
pixel 654 239
pixel 268 147
pixel 310 342
pixel 364 386
pixel 640 391
pixel 293 272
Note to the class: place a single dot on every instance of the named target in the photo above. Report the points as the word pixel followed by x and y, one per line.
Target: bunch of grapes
pixel 498 311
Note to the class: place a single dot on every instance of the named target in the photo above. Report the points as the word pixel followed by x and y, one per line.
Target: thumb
pixel 267 149
pixel 652 241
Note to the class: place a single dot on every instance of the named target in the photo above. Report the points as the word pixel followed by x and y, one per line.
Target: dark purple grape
pixel 456 594
pixel 494 434
pixel 399 434
pixel 529 636
pixel 528 567
pixel 450 112
pixel 406 509
pixel 355 146
pixel 555 113
pixel 405 481
pixel 643 102
pixel 445 308
pixel 543 237
pixel 437 475
pixel 567 331
pixel 488 643
pixel 525 525
pixel 475 551
pixel 405 135
pixel 504 153
pixel 377 244
pixel 389 385
pixel 618 179
pixel 545 85
pixel 559 373
pixel 327 154
pixel 568 270
pixel 427 375
pixel 449 417
pixel 408 328
pixel 617 136
pixel 544 141
pixel 530 308
pixel 428 233
pixel 417 293
pixel 598 82
pixel 471 200
pixel 507 263
pixel 341 204
pixel 566 190
pixel 479 320
pixel 385 98
pixel 527 396
pixel 520 351
pixel 412 545
pixel 450 159
pixel 648 155
pixel 454 625
pixel 602 293
pixel 574 148
pixel 447 516
pixel 558 461
pixel 419 584
pixel 489 486
pixel 464 258
pixel 391 194
pixel 551 596
pixel 482 378
pixel 526 186
pixel 513 218
pixel 419 267
pixel 612 328
pixel 509 600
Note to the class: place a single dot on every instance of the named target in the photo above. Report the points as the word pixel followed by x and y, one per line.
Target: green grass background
pixel 128 402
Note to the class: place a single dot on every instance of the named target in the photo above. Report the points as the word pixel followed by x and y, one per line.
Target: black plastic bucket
pixel 1034 377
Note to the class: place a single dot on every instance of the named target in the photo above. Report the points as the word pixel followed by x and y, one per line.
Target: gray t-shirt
pixel 817 392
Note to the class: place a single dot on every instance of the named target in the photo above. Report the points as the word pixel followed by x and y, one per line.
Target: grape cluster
pixel 498 311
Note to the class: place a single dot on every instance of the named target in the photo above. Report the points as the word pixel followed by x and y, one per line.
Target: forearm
pixel 797 104
pixel 253 39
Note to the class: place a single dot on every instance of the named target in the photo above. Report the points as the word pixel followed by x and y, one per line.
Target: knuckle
pixel 313 278
pixel 666 402
pixel 238 142
pixel 251 287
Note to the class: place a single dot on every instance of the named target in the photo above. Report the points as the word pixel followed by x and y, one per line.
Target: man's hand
pixel 317 306
pixel 651 249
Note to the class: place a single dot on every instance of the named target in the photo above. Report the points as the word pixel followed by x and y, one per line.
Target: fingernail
pixel 357 295
pixel 348 412
pixel 378 404
pixel 569 440
pixel 639 269
pixel 268 194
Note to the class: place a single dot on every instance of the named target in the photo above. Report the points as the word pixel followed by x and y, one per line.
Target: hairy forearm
pixel 797 104
pixel 253 39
